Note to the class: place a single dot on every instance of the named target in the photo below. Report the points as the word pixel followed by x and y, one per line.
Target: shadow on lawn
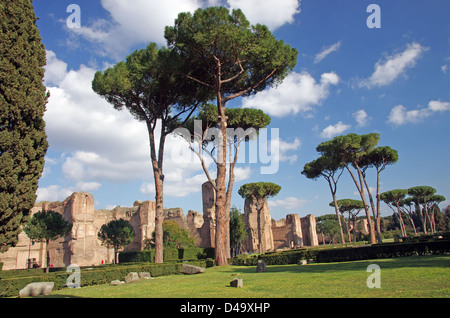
pixel 400 262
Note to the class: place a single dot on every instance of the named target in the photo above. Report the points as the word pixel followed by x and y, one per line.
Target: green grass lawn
pixel 422 276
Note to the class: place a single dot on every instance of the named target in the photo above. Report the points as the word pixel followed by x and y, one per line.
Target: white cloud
pixel 390 69
pixel 242 174
pixel 438 106
pixel 143 21
pixel 187 186
pixel 289 203
pixel 285 147
pixel 55 70
pixel 334 130
pixel 372 192
pixel 88 186
pixel 361 118
pixel 53 193
pixel 444 68
pixel 83 166
pixel 56 193
pixel 299 92
pixel 133 22
pixel 274 14
pixel 400 115
pixel 102 144
pixel 78 119
pixel 327 51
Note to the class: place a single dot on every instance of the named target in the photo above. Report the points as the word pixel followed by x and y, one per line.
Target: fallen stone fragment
pixel 237 282
pixel 145 275
pixel 191 269
pixel 131 277
pixel 37 289
pixel 117 283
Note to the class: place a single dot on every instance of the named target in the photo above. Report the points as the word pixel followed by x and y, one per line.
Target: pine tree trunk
pixel 47 256
pixel 159 219
pixel 221 218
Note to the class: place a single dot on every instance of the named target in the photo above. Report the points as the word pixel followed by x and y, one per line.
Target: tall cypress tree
pixel 23 142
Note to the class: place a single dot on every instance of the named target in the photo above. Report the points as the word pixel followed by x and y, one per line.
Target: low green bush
pixel 10 286
pixel 345 254
pixel 385 250
pixel 170 254
pixel 276 258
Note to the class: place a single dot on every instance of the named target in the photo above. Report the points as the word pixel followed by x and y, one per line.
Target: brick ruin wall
pixel 82 247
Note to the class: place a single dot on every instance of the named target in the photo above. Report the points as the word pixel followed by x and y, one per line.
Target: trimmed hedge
pixel 376 251
pixel 170 254
pixel 276 258
pixel 385 250
pixel 10 286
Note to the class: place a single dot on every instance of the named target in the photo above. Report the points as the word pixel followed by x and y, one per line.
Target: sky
pixel 360 69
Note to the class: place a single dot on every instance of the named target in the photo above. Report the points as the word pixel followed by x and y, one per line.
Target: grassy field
pixel 424 276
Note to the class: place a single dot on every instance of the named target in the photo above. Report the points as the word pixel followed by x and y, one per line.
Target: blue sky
pixel 392 80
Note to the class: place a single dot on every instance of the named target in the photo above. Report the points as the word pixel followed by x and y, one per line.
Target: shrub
pixel 385 250
pixel 170 254
pixel 10 286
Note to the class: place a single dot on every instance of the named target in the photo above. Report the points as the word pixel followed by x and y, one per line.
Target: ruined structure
pixel 259 227
pixel 208 230
pixel 287 232
pixel 82 246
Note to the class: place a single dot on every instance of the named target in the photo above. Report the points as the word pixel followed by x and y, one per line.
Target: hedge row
pixel 10 287
pixel 170 254
pixel 386 250
pixel 376 251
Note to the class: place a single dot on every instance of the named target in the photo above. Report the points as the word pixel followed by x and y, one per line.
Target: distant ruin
pixel 82 247
pixel 263 230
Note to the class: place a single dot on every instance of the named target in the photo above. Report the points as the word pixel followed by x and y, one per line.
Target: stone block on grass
pixel 132 277
pixel 237 283
pixel 37 289
pixel 191 269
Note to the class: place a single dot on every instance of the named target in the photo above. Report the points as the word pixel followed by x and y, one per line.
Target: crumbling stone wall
pixel 287 233
pixel 207 232
pixel 259 227
pixel 82 247
pixel 309 230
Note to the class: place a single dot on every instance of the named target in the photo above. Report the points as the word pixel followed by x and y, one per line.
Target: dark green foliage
pixel 116 234
pixel 380 157
pixel 148 85
pixel 393 196
pixel 244 118
pixel 346 205
pixel 347 254
pixel 16 280
pixel 221 51
pixel 47 226
pixel 238 231
pixel 250 58
pixel 23 142
pixel 385 250
pixel 151 86
pixel 170 254
pixel 328 225
pixel 174 236
pixel 421 193
pixel 259 190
